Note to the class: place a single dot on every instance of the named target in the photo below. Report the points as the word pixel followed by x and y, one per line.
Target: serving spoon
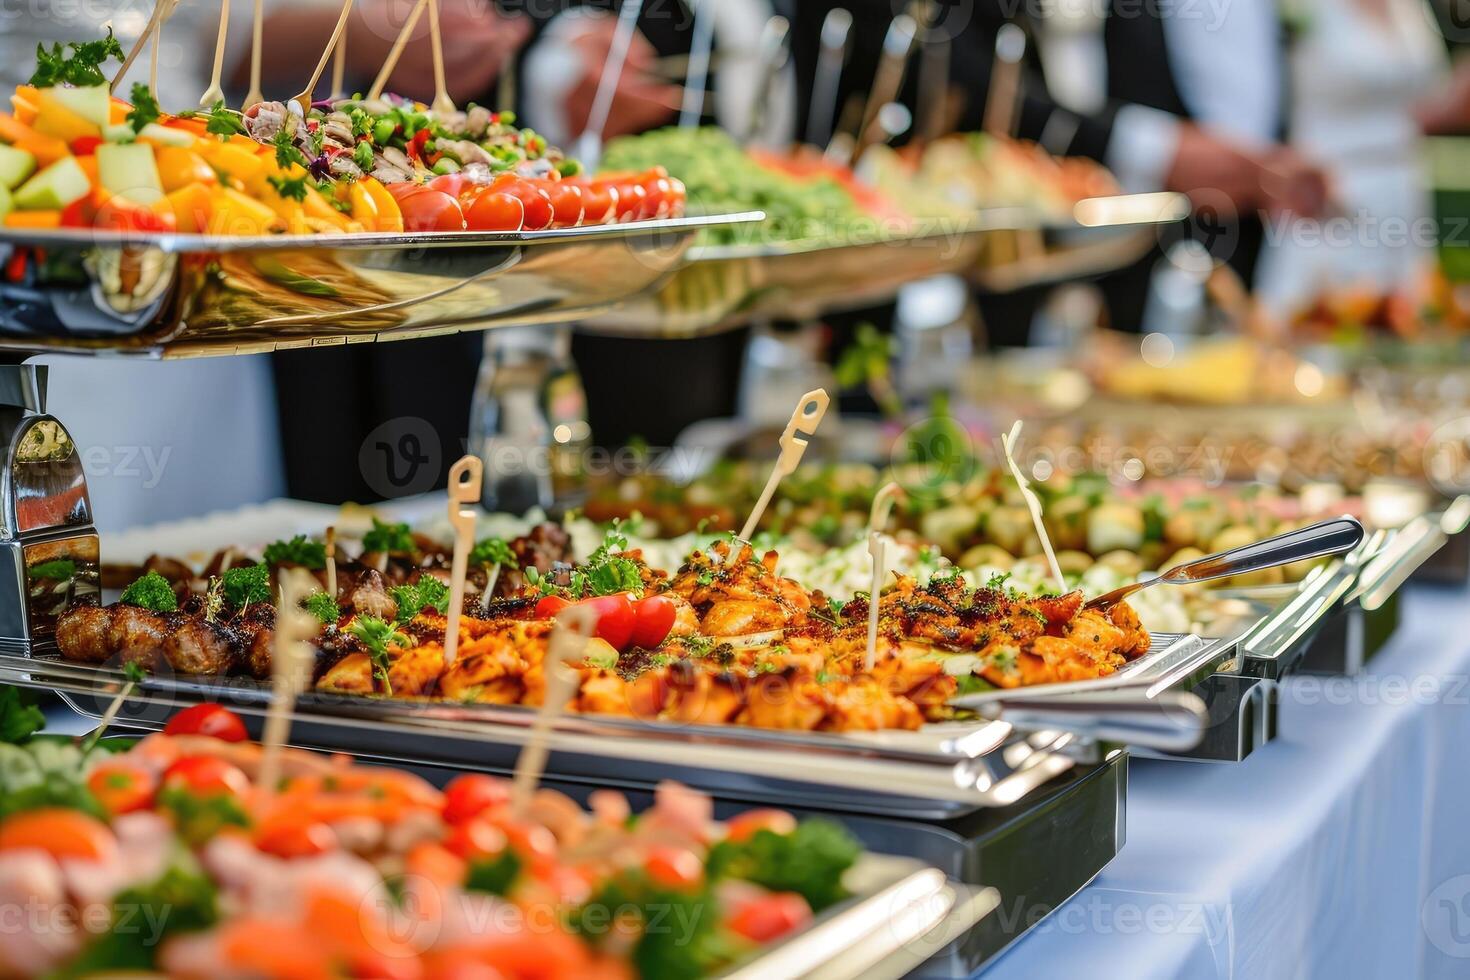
pixel 1331 537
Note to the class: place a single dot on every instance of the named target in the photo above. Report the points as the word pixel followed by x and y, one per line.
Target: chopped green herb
pixel 145 108
pixel 287 152
pixel 388 538
pixel 494 876
pixel 292 188
pixel 247 584
pixel 323 607
pixel 300 550
pixel 362 155
pixel 152 592
pixel 80 68
pixel 809 861
pixel 412 599
pixel 199 817
pixel 377 635
pixel 492 551
pixel 19 718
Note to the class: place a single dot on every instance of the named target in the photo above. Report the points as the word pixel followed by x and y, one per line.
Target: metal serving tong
pixel 1170 721
pixel 1331 537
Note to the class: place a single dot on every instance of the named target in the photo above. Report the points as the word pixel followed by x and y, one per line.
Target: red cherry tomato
pixel 476 840
pixel 213 720
pixel 121 786
pixel 296 839
pixel 658 201
pixel 743 826
pixel 631 198
pixel 471 794
pixel 79 213
pixel 676 868
pixel 425 209
pixel 85 145
pixel 205 775
pixel 455 185
pixel 549 606
pixel 566 202
pixel 539 212
pixel 491 210
pixel 599 203
pixel 678 197
pixel 770 916
pixel 615 618
pixel 653 618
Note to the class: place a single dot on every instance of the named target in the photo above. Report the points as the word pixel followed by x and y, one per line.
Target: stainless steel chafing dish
pixel 190 295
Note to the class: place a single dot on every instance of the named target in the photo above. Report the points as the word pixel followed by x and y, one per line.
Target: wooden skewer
pixel 303 98
pixel 160 10
pixel 574 627
pixel 883 502
pixel 1033 504
pixel 806 418
pixel 465 479
pixel 1005 81
pixel 488 596
pixel 290 671
pixel 157 40
pixel 443 104
pixel 257 28
pixel 214 93
pixel 330 540
pixel 395 52
pixel 339 66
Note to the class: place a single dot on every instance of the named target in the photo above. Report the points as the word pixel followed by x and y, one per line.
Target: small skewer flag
pixel 465 480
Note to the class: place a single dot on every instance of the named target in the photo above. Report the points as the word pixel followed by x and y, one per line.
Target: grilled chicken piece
pixel 82 634
pixel 789 699
pixel 411 673
pixel 737 594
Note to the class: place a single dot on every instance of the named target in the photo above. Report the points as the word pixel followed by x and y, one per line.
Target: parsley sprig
pixel 80 68
pixel 145 108
pixel 291 188
pixel 378 635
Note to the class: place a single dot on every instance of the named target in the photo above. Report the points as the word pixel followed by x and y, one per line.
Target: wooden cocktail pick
pixel 257 28
pixel 303 98
pixel 396 52
pixel 290 670
pixel 575 625
pixel 883 502
pixel 443 104
pixel 1033 504
pixel 465 479
pixel 214 93
pixel 806 418
pixel 169 7
pixel 339 67
pixel 329 541
pixel 161 11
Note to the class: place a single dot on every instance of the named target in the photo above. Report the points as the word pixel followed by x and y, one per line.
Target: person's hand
pixel 1236 180
pixel 479 41
pixel 1447 111
pixel 640 101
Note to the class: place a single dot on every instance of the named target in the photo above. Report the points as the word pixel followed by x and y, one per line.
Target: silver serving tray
pixel 194 295
pixel 943 768
pixel 724 287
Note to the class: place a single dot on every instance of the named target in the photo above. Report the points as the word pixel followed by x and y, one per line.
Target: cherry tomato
pixel 455 185
pixel 60 832
pixel 770 916
pixel 615 618
pixel 599 203
pixel 744 825
pixel 658 201
pixel 539 212
pixel 471 794
pixel 549 606
pixel 79 213
pixel 85 145
pixel 205 775
pixel 425 209
pixel 676 868
pixel 678 197
pixel 121 786
pixel 213 720
pixel 295 838
pixel 491 210
pixel 631 198
pixel 567 207
pixel 653 618
pixel 476 840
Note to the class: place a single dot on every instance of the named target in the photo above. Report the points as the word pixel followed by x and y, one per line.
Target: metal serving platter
pixel 900 913
pixel 940 770
pixel 724 287
pixel 195 295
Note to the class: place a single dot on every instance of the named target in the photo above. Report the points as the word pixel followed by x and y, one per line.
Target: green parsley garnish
pixel 152 592
pixel 492 551
pixel 80 68
pixel 247 584
pixel 300 550
pixel 427 591
pixel 362 155
pixel 222 120
pixel 323 607
pixel 292 188
pixel 377 635
pixel 287 152
pixel 388 538
pixel 145 108
pixel 809 861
